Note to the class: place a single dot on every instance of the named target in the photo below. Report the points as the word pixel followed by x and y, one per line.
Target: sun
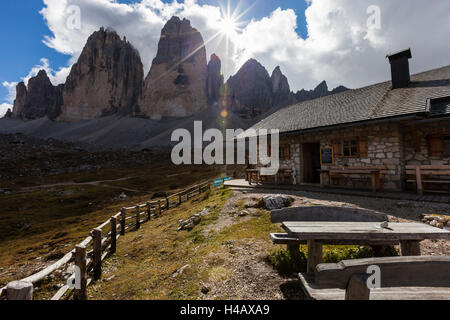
pixel 228 26
pixel 230 23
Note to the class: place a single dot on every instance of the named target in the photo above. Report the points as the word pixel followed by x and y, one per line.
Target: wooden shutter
pixel 336 147
pixel 287 152
pixel 363 148
pixel 435 146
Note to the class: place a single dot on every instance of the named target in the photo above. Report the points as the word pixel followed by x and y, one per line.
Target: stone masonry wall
pixel 416 143
pixel 384 148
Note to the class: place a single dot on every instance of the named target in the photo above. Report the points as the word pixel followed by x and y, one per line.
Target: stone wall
pixel 384 148
pixel 392 145
pixel 416 143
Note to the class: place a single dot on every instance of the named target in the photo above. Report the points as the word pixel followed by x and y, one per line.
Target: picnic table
pixel 409 235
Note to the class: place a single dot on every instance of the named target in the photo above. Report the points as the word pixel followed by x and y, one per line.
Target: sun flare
pixel 228 26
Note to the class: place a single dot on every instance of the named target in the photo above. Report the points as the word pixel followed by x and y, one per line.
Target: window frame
pixel 342 148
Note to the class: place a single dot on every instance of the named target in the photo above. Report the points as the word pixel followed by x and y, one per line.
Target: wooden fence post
pixel 149 211
pixel 19 290
pixel 97 254
pixel 180 199
pixel 123 214
pixel 80 262
pixel 113 235
pixel 357 288
pixel 138 217
pixel 160 208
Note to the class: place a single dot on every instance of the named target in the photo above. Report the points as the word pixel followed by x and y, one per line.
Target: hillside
pixel 116 132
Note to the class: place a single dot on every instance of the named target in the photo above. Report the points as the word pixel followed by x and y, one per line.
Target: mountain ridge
pixel 108 79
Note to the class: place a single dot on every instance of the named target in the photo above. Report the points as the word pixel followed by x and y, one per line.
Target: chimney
pixel 400 68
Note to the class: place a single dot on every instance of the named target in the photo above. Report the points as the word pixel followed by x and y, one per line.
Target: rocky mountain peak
pixel 322 89
pixel 250 88
pixel 282 95
pixel 176 84
pixel 107 79
pixel 214 80
pixel 39 99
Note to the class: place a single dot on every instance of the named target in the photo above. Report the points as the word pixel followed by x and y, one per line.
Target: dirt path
pixel 252 277
pixel 72 183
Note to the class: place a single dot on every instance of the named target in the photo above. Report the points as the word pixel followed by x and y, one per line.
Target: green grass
pixel 41 224
pixel 282 261
pixel 147 259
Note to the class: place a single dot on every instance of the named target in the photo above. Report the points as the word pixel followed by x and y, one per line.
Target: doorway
pixel 311 162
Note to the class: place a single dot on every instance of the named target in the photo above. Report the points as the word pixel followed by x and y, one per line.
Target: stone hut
pixel 389 125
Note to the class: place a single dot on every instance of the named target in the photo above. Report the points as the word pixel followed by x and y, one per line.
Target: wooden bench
pixel 325 214
pixel 284 175
pixel 375 173
pixel 423 175
pixel 402 278
pixel 253 175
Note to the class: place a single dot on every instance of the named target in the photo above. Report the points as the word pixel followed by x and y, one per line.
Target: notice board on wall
pixel 326 156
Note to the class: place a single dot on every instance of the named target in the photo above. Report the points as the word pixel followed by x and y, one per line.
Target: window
pixel 447 146
pixel 351 148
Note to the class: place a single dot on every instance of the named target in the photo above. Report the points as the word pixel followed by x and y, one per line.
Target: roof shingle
pixel 373 102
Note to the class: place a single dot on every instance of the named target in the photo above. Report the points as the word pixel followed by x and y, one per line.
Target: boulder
pixel 277 202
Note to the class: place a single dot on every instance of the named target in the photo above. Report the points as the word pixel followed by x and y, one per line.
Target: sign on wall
pixel 326 156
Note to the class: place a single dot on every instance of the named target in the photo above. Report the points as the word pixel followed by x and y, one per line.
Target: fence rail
pixel 89 254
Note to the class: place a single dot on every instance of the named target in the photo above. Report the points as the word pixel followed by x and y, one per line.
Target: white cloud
pixel 11 87
pixel 4 108
pixel 140 22
pixel 339 47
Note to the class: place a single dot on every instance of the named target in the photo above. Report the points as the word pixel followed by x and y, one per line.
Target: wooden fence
pixel 101 242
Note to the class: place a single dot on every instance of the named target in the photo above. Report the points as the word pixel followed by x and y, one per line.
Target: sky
pixel 344 42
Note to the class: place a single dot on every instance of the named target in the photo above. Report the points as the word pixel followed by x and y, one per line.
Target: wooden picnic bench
pixel 375 173
pixel 402 278
pixel 409 235
pixel 425 175
pixel 253 175
pixel 325 214
pixel 284 175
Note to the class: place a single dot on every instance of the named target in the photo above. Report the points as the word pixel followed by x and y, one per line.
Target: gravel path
pixel 252 277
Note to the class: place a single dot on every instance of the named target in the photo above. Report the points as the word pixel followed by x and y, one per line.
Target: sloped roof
pixel 369 103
